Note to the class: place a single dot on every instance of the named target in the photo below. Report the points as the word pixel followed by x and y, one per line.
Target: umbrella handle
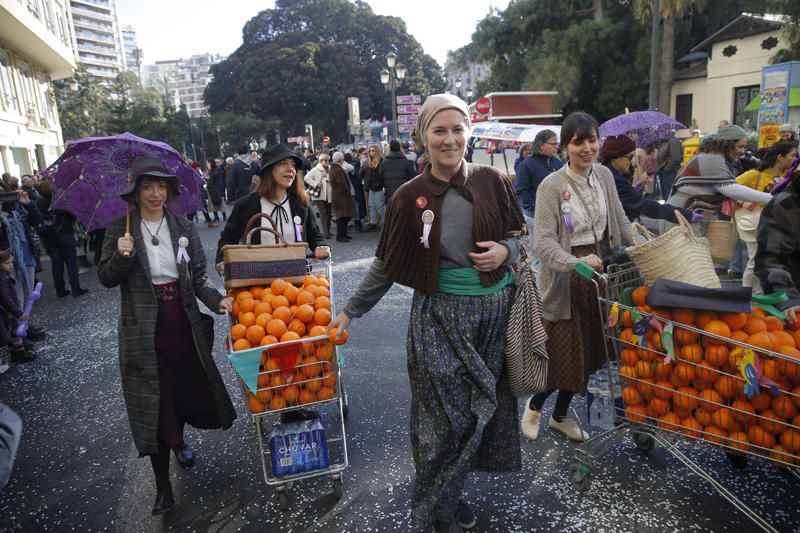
pixel 127 226
pixel 126 253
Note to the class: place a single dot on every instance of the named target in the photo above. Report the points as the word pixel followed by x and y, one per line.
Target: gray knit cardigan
pixel 553 240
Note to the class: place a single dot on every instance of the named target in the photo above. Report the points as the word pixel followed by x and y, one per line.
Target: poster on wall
pixel 768 135
pixel 773 106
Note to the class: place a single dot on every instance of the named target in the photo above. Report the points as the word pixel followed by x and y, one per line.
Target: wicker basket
pixel 248 264
pixel 677 255
pixel 722 237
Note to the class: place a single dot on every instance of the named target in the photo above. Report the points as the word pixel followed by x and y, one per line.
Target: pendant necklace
pixel 154 237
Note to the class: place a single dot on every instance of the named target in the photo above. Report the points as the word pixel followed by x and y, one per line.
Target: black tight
pixel 562 403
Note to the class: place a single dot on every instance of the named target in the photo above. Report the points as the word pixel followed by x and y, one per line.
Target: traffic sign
pixel 405 128
pixel 407 119
pixel 409 99
pixel 408 109
pixel 483 106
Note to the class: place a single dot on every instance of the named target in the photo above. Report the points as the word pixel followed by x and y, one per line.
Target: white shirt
pixel 282 215
pixel 161 258
pixel 583 220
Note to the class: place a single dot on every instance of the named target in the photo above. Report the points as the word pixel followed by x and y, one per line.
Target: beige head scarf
pixel 433 104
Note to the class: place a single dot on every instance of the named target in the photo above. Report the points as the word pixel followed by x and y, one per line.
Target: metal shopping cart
pixel 695 391
pixel 288 377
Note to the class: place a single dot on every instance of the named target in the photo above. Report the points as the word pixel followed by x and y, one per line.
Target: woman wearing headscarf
pixel 372 178
pixel 169 377
pixel 450 234
pixel 578 218
pixel 341 197
pixel 617 154
pixel 712 172
pixel 280 194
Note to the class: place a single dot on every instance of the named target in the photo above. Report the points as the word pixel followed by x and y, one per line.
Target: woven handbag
pixel 525 348
pixel 677 254
pixel 258 264
pixel 722 237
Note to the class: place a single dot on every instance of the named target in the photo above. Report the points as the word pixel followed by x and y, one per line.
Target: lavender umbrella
pixel 91 173
pixel 644 127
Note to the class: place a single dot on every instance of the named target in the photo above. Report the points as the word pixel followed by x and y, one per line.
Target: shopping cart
pixel 293 376
pixel 660 398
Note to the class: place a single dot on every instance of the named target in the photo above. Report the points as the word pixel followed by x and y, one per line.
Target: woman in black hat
pixel 617 153
pixel 280 194
pixel 169 377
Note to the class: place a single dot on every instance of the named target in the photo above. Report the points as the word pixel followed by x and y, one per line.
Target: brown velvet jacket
pixel 495 211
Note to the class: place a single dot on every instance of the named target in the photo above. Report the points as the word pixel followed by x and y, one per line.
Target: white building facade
pixel 35 49
pixel 97 38
pixel 131 51
pixel 185 80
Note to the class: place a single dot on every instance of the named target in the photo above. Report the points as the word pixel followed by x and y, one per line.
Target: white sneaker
pixel 569 428
pixel 530 422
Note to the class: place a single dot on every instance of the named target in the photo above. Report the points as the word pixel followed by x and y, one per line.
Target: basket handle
pixel 257 219
pixel 683 222
pixel 281 241
pixel 639 230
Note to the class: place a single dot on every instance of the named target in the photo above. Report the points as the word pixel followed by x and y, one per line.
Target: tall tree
pixel 83 108
pixel 300 61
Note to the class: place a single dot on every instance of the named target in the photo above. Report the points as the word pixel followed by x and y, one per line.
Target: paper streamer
pixel 667 340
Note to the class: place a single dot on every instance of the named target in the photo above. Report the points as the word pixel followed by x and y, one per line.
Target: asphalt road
pixel 77 468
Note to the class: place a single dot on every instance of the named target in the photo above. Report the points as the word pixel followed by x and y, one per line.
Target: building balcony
pixel 29 35
pixel 88 47
pixel 83 23
pixel 92 14
pixel 91 36
pixel 102 73
pixel 100 3
pixel 93 60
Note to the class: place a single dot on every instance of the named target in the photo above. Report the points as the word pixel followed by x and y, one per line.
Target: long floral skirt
pixel 463 415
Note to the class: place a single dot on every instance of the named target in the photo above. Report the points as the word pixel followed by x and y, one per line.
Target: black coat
pixel 216 185
pixel 241 180
pixel 397 170
pixel 250 205
pixel 636 205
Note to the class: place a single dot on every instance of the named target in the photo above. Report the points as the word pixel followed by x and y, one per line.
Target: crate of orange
pixel 287 358
pixel 724 379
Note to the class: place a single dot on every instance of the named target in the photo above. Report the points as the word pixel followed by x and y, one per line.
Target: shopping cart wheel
pixel 579 475
pixel 644 442
pixel 338 488
pixel 283 501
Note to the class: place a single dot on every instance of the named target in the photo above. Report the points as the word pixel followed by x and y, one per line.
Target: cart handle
pixel 584 270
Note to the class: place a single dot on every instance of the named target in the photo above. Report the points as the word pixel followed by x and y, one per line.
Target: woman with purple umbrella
pixel 169 377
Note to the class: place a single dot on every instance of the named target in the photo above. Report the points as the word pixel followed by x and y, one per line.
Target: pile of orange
pixel 701 393
pixel 312 380
pixel 281 312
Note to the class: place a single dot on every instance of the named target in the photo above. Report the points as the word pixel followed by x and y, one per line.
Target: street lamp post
pixel 390 79
pixel 219 142
pixel 469 95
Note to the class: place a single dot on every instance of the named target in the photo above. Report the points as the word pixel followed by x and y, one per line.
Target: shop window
pixel 683 109
pixel 741 97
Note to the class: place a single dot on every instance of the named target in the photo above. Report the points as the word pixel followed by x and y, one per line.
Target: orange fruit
pixel 628 373
pixel 703 416
pixel 306 396
pixel 790 439
pixel 324 352
pixel 670 422
pixel 646 387
pixel 734 320
pixel 707 373
pixel 782 406
pixel 314 290
pixel 760 340
pixel 772 422
pixel 723 418
pixel 757 312
pixel 316 331
pixel 719 328
pixel 238 331
pixel 329 380
pixel 692 352
pixel 277 286
pixel 277 403
pixel 271 365
pixel 637 414
pixel 243 295
pixel 324 393
pixel 279 301
pixel 254 404
pixel 267 296
pixel 322 302
pixel 305 313
pixel 305 297
pixel 236 309
pixel 761 401
pixel 739 441
pixel 263 380
pixel 726 386
pixel 684 336
pixel 791 367
pixel 263 319
pixel 683 316
pixel 743 411
pixel 631 396
pixel 656 407
pixel 322 280
pixel 662 371
pixel 298 326
pixel 691 427
pixel 639 295
pixel 755 325
pixel 715 435
pixel 711 399
pixel 314 385
pixel 779 453
pixel 309 280
pixel 241 344
pixel 341 340
pixel 262 307
pixel 773 323
pixel 311 367
pixel 683 374
pixel 322 316
pixel 644 369
pixel 629 357
pixel 324 291
pixel 247 318
pixel 685 398
pixel 758 437
pixel 663 389
pixel 276 379
pixel 254 334
pixel 626 336
pixel 283 314
pixel 704 317
pixel 248 304
pixel 264 396
pixel 290 336
pixel 717 355
pixel 290 293
pixel 256 291
pixel 785 339
pixel 291 394
pixel 739 336
pixel 276 327
pixel 266 340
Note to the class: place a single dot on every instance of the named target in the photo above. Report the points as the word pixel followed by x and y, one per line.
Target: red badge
pixel 421 202
pixel 565 196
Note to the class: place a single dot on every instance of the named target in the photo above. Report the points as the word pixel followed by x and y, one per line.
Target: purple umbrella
pixel 644 127
pixel 91 173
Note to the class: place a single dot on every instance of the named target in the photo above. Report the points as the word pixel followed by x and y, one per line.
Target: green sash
pixel 467 282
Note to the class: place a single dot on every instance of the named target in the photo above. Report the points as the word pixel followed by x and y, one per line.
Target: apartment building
pixel 131 51
pixel 97 37
pixel 185 80
pixel 35 49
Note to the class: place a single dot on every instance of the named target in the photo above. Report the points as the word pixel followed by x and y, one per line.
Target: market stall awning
pixel 794 100
pixel 504 131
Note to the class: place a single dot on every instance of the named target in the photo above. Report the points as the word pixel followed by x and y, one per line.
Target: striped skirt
pixel 463 415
